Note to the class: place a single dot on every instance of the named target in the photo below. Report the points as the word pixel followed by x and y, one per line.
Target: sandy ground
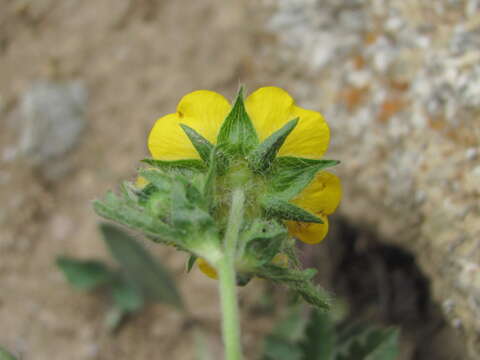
pixel 136 58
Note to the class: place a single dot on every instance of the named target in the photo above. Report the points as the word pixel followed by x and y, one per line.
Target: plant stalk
pixel 227 278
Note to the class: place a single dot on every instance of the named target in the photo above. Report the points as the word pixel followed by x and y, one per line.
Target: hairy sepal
pixel 237 133
pixel 290 175
pixel 184 164
pixel 263 239
pixel 202 145
pixel 186 204
pixel 263 155
pixel 281 209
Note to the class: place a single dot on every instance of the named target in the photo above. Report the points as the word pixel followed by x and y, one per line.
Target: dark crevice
pixel 383 285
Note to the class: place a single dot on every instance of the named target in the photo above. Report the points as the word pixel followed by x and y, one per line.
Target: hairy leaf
pixel 283 341
pixel 299 281
pixel 319 341
pixel 127 295
pixel 140 267
pixel 117 209
pixel 373 344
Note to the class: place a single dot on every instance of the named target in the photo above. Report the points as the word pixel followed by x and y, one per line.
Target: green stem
pixel 227 278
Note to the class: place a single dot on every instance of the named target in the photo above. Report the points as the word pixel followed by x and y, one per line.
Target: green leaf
pixel 373 344
pixel 140 267
pixel 190 262
pixel 299 281
pixel 278 349
pixel 84 275
pixel 190 164
pixel 290 175
pixel 114 318
pixel 319 341
pixel 287 211
pixel 126 295
pixel 292 326
pixel 202 145
pixel 237 132
pixel 119 210
pixel 263 155
pixel 5 355
pixel 283 342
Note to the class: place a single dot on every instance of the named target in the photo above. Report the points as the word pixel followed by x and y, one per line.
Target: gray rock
pixel 52 120
pixel 403 102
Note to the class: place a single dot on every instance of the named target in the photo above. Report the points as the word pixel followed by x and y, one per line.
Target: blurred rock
pixel 53 118
pixel 399 85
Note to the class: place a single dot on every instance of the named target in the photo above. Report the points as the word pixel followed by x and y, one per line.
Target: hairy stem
pixel 227 277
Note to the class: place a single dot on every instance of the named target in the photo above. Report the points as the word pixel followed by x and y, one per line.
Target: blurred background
pixel 82 82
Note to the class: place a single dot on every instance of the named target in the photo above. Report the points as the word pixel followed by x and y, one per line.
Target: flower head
pixel 270 109
pixel 257 161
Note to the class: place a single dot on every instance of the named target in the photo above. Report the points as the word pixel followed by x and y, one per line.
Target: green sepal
pixel 263 240
pixel 237 133
pixel 210 180
pixel 202 145
pixel 130 192
pixel 299 281
pixel 186 207
pixel 263 155
pixel 189 164
pixel 157 178
pixel 242 279
pixel 192 259
pixel 290 175
pixel 284 210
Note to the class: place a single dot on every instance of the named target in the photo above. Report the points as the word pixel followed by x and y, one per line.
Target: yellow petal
pixel 280 260
pixel 207 269
pixel 202 110
pixel 270 108
pixel 322 195
pixel 310 233
pixel 141 182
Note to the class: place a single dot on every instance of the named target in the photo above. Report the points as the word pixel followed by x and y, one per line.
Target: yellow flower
pixel 269 108
pixel 207 269
pixel 280 259
pixel 320 197
pixel 141 182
